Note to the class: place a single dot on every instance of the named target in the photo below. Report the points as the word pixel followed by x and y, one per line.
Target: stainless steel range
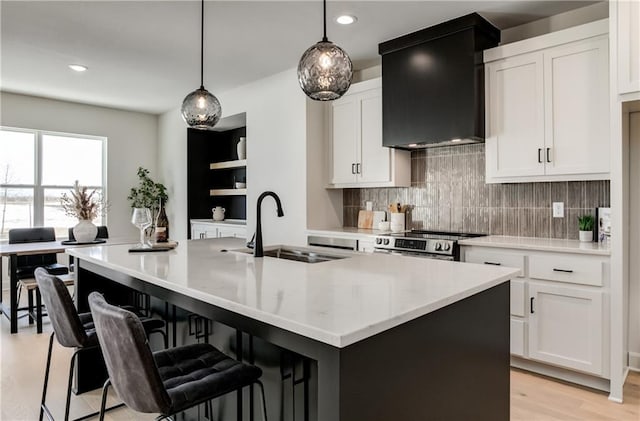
pixel 430 244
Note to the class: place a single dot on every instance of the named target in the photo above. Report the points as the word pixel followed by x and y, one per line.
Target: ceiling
pixel 144 55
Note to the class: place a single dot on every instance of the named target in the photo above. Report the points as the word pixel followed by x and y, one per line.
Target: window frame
pixel 39 188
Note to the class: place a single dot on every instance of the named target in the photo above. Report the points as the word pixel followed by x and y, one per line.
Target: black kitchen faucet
pixel 258 251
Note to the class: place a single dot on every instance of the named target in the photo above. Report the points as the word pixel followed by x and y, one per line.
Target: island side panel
pixel 452 364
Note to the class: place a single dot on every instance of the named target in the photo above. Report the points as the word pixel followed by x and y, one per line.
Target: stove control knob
pixel 438 246
pixel 378 240
pixel 447 247
pixel 386 241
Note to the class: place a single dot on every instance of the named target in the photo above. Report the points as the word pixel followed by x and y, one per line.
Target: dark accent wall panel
pixel 203 148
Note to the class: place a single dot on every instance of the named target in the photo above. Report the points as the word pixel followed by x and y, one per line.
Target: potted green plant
pixel 85 206
pixel 148 194
pixel 585 225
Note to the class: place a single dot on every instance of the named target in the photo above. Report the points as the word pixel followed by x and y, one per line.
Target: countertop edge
pixel 517 243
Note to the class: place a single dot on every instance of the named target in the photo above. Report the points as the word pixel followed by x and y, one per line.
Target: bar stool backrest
pixel 62 312
pixel 132 369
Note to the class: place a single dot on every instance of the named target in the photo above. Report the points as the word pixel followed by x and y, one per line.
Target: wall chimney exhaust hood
pixel 433 84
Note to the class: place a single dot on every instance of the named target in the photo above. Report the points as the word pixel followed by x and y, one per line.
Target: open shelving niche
pixel 213 169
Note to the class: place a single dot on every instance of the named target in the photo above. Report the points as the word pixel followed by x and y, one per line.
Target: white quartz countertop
pixel 542 244
pixel 338 302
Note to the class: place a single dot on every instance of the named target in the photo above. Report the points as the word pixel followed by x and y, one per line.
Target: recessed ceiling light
pixel 346 19
pixel 78 67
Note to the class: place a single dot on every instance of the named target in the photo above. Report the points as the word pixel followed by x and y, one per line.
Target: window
pixel 36 167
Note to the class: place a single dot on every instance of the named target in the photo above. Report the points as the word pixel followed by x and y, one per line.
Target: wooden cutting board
pixel 365 219
pixel 370 219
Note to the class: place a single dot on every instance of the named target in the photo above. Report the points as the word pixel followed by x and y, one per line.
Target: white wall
pixel 276 112
pixel 131 142
pixel 557 22
pixel 172 170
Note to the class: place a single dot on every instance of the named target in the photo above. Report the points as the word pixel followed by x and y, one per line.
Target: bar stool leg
pixel 38 311
pixel 103 403
pixel 70 383
pixel 264 400
pixel 30 305
pixel 43 407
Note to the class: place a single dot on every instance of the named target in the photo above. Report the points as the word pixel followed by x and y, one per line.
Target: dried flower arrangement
pixel 82 204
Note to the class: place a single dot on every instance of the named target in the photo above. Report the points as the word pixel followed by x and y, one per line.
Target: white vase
pixel 586 236
pixel 218 213
pixel 85 231
pixel 242 148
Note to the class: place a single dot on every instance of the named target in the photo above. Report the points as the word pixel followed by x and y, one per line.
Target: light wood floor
pixel 22 362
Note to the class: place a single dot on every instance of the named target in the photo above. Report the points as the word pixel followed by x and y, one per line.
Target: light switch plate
pixel 558 209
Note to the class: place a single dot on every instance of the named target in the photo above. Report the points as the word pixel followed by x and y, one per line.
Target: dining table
pixel 12 251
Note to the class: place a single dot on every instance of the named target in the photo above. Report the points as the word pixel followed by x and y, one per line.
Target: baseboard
pixel 634 361
pixel 570 376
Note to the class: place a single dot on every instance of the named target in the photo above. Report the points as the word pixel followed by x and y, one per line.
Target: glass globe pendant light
pixel 201 109
pixel 325 70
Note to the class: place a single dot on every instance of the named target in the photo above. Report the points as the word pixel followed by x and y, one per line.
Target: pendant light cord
pixel 324 15
pixel 202 46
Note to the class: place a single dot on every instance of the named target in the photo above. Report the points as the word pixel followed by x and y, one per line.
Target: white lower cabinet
pixel 517 330
pixel 566 326
pixel 557 309
pixel 232 231
pixel 201 229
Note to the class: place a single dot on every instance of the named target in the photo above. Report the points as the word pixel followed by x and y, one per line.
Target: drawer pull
pixel 493 263
pixel 562 270
pixel 539 159
pixel 531 304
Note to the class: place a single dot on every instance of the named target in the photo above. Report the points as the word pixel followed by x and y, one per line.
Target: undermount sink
pixel 298 255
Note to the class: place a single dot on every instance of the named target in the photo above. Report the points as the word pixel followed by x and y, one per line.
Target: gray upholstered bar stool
pixel 72 330
pixel 166 382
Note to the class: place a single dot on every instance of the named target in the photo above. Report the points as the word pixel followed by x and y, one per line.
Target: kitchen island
pixel 390 337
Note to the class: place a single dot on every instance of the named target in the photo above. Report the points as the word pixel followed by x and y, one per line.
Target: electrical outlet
pixel 558 209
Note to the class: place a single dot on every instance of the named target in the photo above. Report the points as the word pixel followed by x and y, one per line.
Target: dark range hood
pixel 433 84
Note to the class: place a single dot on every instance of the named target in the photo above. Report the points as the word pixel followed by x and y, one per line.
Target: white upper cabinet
pixel 547 107
pixel 628 45
pixel 577 108
pixel 358 158
pixel 515 112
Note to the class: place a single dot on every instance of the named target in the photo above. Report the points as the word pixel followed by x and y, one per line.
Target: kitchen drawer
pixel 518 297
pixel 517 331
pixel 497 258
pixel 574 269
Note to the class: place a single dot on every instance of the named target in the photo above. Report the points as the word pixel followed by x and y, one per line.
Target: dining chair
pixel 26 265
pixel 166 382
pixel 73 330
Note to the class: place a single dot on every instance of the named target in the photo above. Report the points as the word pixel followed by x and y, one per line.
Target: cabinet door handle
pixel 493 263
pixel 531 304
pixel 539 156
pixel 562 270
pixel 548 154
pixel 358 168
pixel 353 168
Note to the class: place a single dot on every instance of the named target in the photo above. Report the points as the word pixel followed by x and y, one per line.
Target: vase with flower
pixel 84 205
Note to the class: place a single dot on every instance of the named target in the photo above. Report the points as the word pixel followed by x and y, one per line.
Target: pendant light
pixel 325 70
pixel 201 109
